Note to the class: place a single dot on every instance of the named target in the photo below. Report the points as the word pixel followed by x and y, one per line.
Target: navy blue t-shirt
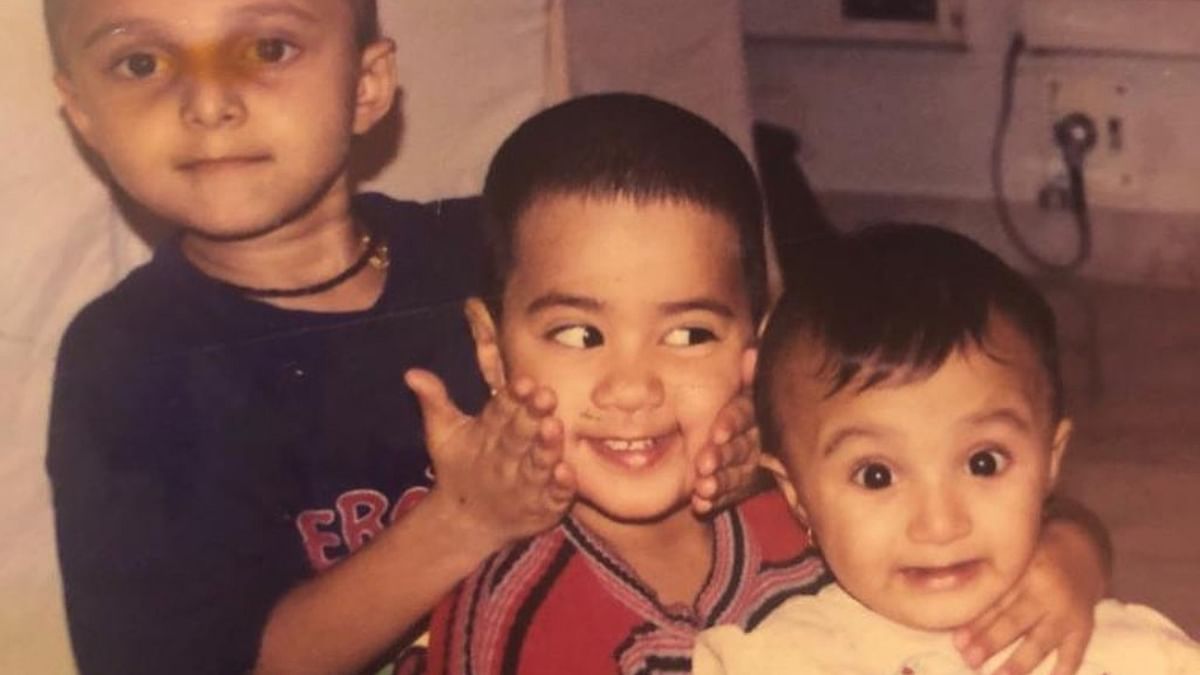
pixel 208 452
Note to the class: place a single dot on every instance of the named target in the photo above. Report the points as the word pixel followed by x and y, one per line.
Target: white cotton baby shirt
pixel 831 633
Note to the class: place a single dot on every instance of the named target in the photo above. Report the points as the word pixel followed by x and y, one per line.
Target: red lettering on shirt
pixel 411 497
pixel 362 514
pixel 328 535
pixel 318 542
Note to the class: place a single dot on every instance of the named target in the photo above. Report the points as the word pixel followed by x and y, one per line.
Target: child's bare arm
pixel 499 478
pixel 1051 607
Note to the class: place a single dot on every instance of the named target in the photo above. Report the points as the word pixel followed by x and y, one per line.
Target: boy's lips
pixel 205 164
pixel 944 577
pixel 632 452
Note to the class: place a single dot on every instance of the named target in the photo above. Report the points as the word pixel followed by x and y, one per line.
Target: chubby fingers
pixel 500 409
pixel 1045 637
pixel 1070 652
pixel 708 483
pixel 1040 633
pixel 438 412
pixel 524 396
pixel 732 443
pixel 532 406
pixel 545 450
pixel 505 419
pixel 725 473
pixel 547 465
pixel 991 631
pixel 543 486
pixel 734 419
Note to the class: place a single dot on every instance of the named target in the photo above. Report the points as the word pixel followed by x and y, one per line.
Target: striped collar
pixel 729 562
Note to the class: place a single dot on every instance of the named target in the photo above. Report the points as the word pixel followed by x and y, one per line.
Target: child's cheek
pixel 699 395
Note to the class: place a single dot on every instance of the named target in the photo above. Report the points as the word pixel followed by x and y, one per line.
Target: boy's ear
pixel 487 345
pixel 376 84
pixel 1058 448
pixel 780 473
pixel 79 119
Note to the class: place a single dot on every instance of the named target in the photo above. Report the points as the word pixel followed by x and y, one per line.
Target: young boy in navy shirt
pixel 232 417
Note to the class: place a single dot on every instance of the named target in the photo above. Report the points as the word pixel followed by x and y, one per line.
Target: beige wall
pixel 890 119
pixel 687 52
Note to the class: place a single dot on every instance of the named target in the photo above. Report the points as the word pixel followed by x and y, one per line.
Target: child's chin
pixel 943 615
pixel 217 225
pixel 638 511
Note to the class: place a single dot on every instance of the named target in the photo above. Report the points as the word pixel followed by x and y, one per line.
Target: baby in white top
pixel 910 401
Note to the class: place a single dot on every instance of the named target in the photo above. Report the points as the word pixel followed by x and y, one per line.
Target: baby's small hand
pixel 1049 609
pixel 503 470
pixel 726 468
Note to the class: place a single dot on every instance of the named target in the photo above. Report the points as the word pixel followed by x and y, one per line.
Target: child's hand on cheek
pixel 500 473
pixel 1050 609
pixel 727 467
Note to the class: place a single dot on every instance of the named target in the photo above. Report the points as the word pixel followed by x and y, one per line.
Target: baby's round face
pixel 925 496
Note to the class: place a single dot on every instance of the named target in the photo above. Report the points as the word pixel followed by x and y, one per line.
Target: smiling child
pixel 628 277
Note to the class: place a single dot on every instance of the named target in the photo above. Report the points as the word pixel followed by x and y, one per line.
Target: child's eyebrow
pixel 556 299
pixel 118 27
pixel 847 434
pixel 259 10
pixel 265 9
pixel 1009 416
pixel 697 305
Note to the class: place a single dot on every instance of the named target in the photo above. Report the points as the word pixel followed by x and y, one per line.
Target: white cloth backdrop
pixel 469 70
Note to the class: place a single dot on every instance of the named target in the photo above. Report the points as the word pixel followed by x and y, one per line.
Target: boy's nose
pixel 210 103
pixel 939 517
pixel 629 388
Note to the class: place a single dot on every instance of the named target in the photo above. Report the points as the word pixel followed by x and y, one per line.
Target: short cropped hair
pixel 621 145
pixel 366 24
pixel 896 300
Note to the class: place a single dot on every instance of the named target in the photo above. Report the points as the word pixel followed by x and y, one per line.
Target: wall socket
pixel 1114 169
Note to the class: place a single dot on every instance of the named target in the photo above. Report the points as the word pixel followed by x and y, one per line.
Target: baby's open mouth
pixel 945 577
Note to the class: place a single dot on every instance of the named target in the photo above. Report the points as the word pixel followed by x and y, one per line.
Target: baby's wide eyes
pixel 578 337
pixel 688 336
pixel 988 462
pixel 873 476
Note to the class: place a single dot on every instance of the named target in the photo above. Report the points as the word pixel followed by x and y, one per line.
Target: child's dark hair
pixel 896 300
pixel 629 146
pixel 366 24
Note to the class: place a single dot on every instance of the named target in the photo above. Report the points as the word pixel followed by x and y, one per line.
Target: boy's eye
pixel 687 337
pixel 873 476
pixel 138 66
pixel 272 50
pixel 987 462
pixel 578 337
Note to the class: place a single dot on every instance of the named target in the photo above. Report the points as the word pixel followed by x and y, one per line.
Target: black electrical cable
pixel 1075 173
